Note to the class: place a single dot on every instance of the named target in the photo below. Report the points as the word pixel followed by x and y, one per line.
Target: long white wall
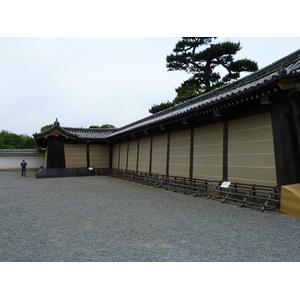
pixel 34 162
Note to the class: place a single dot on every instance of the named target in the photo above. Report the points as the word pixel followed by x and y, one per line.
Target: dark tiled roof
pixel 76 133
pixel 288 66
pixel 56 126
pixel 12 152
pixel 90 133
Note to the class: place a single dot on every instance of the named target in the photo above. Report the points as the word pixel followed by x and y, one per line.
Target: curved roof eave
pixel 81 134
pixel 55 130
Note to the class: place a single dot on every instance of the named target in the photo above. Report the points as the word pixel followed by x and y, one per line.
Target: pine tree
pixel 204 65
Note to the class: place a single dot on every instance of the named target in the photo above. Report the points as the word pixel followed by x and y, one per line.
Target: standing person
pixel 23 165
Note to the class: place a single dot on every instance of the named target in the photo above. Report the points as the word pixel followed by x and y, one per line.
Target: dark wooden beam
pixel 150 156
pixel 88 155
pixel 191 170
pixel 225 151
pixel 168 154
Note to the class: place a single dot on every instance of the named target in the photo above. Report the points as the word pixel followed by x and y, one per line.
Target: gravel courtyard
pixel 104 219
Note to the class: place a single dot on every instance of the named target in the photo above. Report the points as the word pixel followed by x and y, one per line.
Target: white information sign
pixel 225 184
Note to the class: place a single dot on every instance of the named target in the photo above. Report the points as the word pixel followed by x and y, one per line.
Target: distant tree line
pixel 9 140
pixel 92 126
pixel 103 126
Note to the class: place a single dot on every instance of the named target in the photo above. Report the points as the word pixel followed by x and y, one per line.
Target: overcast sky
pixel 95 81
pixel 92 63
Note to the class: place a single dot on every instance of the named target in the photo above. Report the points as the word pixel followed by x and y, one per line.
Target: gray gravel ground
pixel 104 219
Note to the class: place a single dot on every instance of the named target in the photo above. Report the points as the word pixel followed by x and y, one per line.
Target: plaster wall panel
pixel 159 154
pixel 132 155
pixel 180 153
pixel 208 152
pixel 99 156
pixel 144 154
pixel 123 156
pixel 115 156
pixel 34 162
pixel 251 150
pixel 75 155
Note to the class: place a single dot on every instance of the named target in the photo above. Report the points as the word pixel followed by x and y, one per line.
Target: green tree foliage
pixel 158 107
pixel 205 66
pixel 9 140
pixel 46 127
